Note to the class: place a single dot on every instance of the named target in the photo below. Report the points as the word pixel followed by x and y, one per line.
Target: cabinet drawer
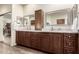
pixel 69 43
pixel 69 50
pixel 70 40
pixel 69 36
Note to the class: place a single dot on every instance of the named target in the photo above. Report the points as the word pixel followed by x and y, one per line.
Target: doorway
pixel 7 28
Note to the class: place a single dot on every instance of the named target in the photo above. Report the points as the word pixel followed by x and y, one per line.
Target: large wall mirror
pixel 29 21
pixel 63 17
pixel 58 17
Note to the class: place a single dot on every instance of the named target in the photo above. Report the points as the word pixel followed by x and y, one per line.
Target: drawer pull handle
pixel 69 36
pixel 69 44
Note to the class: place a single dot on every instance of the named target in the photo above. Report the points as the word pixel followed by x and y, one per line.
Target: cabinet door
pixel 27 39
pixel 35 40
pixel 19 37
pixel 38 19
pixel 22 35
pixel 45 41
pixel 78 43
pixel 56 43
pixel 70 43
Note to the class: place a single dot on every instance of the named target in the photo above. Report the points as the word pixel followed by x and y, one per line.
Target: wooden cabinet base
pixel 55 43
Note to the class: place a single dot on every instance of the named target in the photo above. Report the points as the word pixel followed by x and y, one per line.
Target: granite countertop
pixel 58 31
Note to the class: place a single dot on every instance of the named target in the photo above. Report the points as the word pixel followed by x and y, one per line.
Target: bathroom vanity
pixel 51 42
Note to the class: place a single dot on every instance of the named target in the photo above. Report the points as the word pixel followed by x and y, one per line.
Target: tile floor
pixel 6 49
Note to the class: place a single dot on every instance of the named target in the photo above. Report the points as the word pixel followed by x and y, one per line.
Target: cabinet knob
pixel 69 43
pixel 69 36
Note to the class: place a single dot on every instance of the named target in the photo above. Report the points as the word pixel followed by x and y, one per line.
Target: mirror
pixel 58 17
pixel 19 21
pixel 61 17
pixel 29 21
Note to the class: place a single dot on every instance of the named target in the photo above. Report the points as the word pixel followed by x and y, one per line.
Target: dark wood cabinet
pixel 35 40
pixel 56 42
pixel 17 38
pixel 23 38
pixel 27 39
pixel 45 41
pixel 70 43
pixel 39 18
pixel 78 43
pixel 20 37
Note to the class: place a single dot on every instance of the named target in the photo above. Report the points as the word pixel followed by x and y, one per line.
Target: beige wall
pixel 5 8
